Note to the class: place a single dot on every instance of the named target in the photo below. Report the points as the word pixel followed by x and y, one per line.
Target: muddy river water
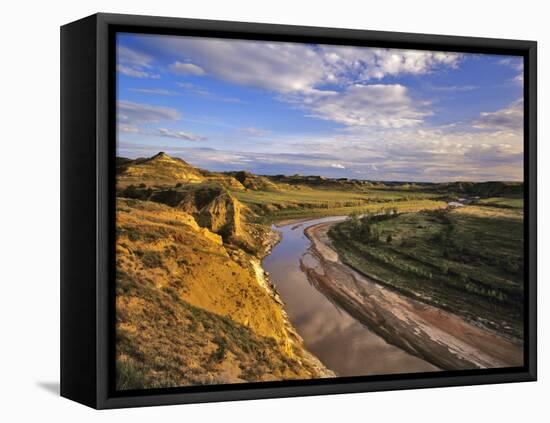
pixel 342 343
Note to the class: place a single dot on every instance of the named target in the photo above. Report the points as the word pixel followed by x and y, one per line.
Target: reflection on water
pixel 342 343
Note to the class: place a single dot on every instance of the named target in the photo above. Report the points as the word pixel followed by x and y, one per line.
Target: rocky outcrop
pixel 192 309
pixel 216 209
pixel 254 182
pixel 159 169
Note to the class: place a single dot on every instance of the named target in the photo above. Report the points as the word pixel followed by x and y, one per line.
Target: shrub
pixel 151 259
pixel 129 375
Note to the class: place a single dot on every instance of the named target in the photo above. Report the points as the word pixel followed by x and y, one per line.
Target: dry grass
pixel 189 309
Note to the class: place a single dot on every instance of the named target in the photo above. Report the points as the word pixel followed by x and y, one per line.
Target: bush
pixel 138 193
pixel 129 375
pixel 151 259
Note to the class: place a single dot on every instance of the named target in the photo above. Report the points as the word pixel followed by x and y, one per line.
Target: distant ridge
pixel 165 170
pixel 160 169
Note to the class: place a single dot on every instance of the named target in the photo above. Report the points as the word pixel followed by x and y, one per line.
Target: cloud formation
pixel 309 76
pixel 376 63
pixel 131 113
pixel 186 69
pixel 153 91
pixel 295 67
pixel 515 63
pixel 203 92
pixel 180 135
pixel 134 64
pixel 365 113
pixel 377 105
pixel 256 132
pixel 134 58
pixel 136 118
pixel 428 160
pixel 509 118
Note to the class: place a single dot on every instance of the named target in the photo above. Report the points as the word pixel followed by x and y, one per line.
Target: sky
pixel 336 111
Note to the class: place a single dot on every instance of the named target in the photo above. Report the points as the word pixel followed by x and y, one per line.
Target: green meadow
pixel 468 260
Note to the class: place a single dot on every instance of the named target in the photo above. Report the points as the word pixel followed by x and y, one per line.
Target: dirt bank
pixel 442 338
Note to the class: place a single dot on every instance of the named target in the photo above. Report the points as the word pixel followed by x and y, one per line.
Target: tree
pixel 355 222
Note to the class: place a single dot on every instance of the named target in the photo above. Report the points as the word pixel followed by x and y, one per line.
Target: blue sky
pixel 336 111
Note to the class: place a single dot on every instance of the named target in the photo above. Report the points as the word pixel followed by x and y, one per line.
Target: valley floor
pixel 440 337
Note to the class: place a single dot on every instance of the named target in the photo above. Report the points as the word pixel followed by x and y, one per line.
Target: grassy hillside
pixel 193 310
pixel 299 202
pixel 468 260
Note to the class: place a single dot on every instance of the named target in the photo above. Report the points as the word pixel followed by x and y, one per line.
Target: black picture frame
pixel 88 134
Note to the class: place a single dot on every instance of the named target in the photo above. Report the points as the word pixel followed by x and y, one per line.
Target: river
pixel 343 344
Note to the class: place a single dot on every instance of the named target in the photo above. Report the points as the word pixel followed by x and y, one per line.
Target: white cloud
pixel 193 88
pixel 134 118
pixel 386 129
pixel 127 128
pixel 452 88
pixel 256 132
pixel 133 63
pixel 186 69
pixel 135 73
pixel 377 105
pixel 131 57
pixel 203 92
pixel 376 63
pixel 329 82
pixel 409 154
pixel 154 91
pixel 515 63
pixel 297 68
pixel 337 166
pixel 131 113
pixel 508 118
pixel 181 135
pixel 279 67
pixel 519 79
pixel 512 62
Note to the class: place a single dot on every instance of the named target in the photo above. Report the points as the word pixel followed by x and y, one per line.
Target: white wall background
pixel 29 209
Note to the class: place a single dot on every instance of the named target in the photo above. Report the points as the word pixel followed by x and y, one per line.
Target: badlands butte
pixel 194 305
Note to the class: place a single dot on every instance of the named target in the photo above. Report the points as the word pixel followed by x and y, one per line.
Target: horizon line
pixel 395 181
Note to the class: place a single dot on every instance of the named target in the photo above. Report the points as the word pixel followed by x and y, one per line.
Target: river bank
pixel 437 336
pixel 340 341
pixel 294 344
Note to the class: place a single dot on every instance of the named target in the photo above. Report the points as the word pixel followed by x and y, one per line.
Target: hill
pixel 164 170
pixel 159 169
pixel 193 303
pixel 484 189
pixel 254 182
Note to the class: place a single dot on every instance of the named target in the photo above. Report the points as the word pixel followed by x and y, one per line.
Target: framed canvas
pixel 257 211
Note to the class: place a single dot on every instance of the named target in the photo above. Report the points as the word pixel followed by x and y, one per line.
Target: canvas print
pixel 291 211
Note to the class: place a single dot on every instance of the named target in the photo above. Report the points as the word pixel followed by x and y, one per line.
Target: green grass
pixel 325 198
pixel 309 202
pixel 512 203
pixel 467 262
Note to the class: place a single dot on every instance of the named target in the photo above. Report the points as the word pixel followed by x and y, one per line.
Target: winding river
pixel 342 343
